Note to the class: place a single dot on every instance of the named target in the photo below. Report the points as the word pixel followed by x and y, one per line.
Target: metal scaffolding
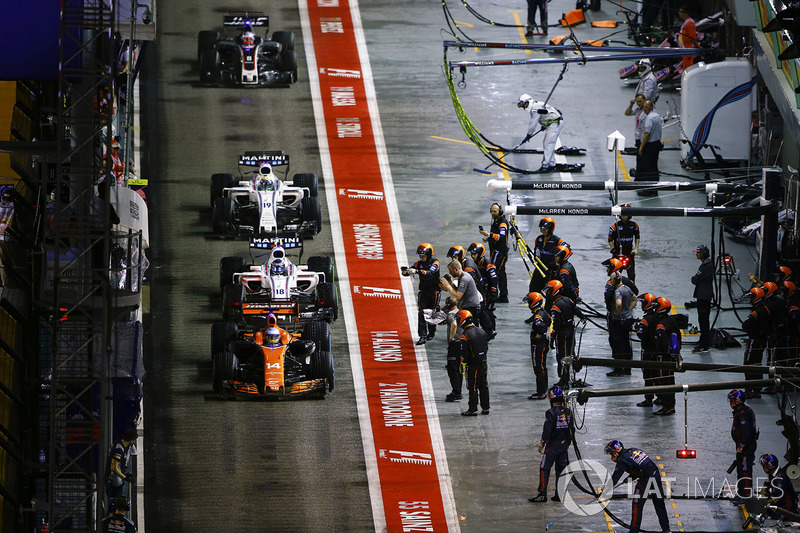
pixel 76 295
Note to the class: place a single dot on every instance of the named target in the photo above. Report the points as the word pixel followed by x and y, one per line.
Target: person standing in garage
pixel 703 282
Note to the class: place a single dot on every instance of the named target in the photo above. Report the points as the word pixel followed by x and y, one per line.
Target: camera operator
pixel 462 287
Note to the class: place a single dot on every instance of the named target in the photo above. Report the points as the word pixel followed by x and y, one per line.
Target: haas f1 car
pixel 261 204
pixel 246 59
pixel 294 293
pixel 271 362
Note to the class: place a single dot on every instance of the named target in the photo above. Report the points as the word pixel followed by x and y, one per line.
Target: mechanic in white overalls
pixel 543 117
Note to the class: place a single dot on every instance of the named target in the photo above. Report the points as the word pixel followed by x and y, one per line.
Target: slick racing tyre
pixel 320 333
pixel 221 334
pixel 289 63
pixel 312 212
pixel 209 59
pixel 326 297
pixel 232 297
pixel 309 180
pixel 222 216
pixel 285 38
pixel 228 266
pixel 322 368
pixel 224 368
pixel 205 41
pixel 220 182
pixel 324 265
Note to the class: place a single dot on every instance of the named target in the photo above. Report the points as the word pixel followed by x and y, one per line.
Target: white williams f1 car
pixel 262 205
pixel 246 59
pixel 295 293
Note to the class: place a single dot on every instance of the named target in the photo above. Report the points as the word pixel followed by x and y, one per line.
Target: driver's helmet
pixel 277 267
pixel 272 336
pixel 248 40
pixel 264 183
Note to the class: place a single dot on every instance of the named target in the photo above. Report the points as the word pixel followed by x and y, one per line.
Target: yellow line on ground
pixel 622 167
pixel 521 29
pixel 467 24
pixel 672 501
pixel 746 516
pixel 451 140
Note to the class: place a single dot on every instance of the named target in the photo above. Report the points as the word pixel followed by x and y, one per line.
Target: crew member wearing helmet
pixel 545 247
pixel 757 327
pixel 745 437
pixel 776 307
pixel 566 272
pixel 640 467
pixel 540 325
pixel 562 312
pixel 703 282
pixel 556 438
pixel 474 349
pixel 427 267
pixel 497 238
pixel 646 331
pixel 453 350
pixel 668 349
pixel 547 118
pixel 778 486
pixel 489 283
pixel 619 318
pixel 648 83
pixel 623 239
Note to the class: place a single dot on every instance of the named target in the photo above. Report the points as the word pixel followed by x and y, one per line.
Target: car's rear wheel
pixel 285 38
pixel 222 216
pixel 224 368
pixel 323 264
pixel 209 59
pixel 309 180
pixel 219 182
pixel 232 297
pixel 205 41
pixel 312 212
pixel 326 297
pixel 221 334
pixel 228 266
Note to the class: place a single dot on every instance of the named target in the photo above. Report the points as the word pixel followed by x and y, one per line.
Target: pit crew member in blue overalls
pixel 562 312
pixel 540 324
pixel 556 438
pixel 547 118
pixel 474 350
pixel 778 487
pixel 648 482
pixel 745 436
pixel 490 281
pixel 428 296
pixel 497 238
pixel 668 350
pixel 646 331
pixel 623 239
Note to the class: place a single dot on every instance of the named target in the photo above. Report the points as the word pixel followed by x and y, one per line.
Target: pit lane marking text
pixel 415 520
pixel 368 241
pixel 396 406
pixel 386 346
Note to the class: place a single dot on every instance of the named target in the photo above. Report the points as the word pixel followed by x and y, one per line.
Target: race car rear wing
pixel 286 240
pixel 254 159
pixel 242 20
